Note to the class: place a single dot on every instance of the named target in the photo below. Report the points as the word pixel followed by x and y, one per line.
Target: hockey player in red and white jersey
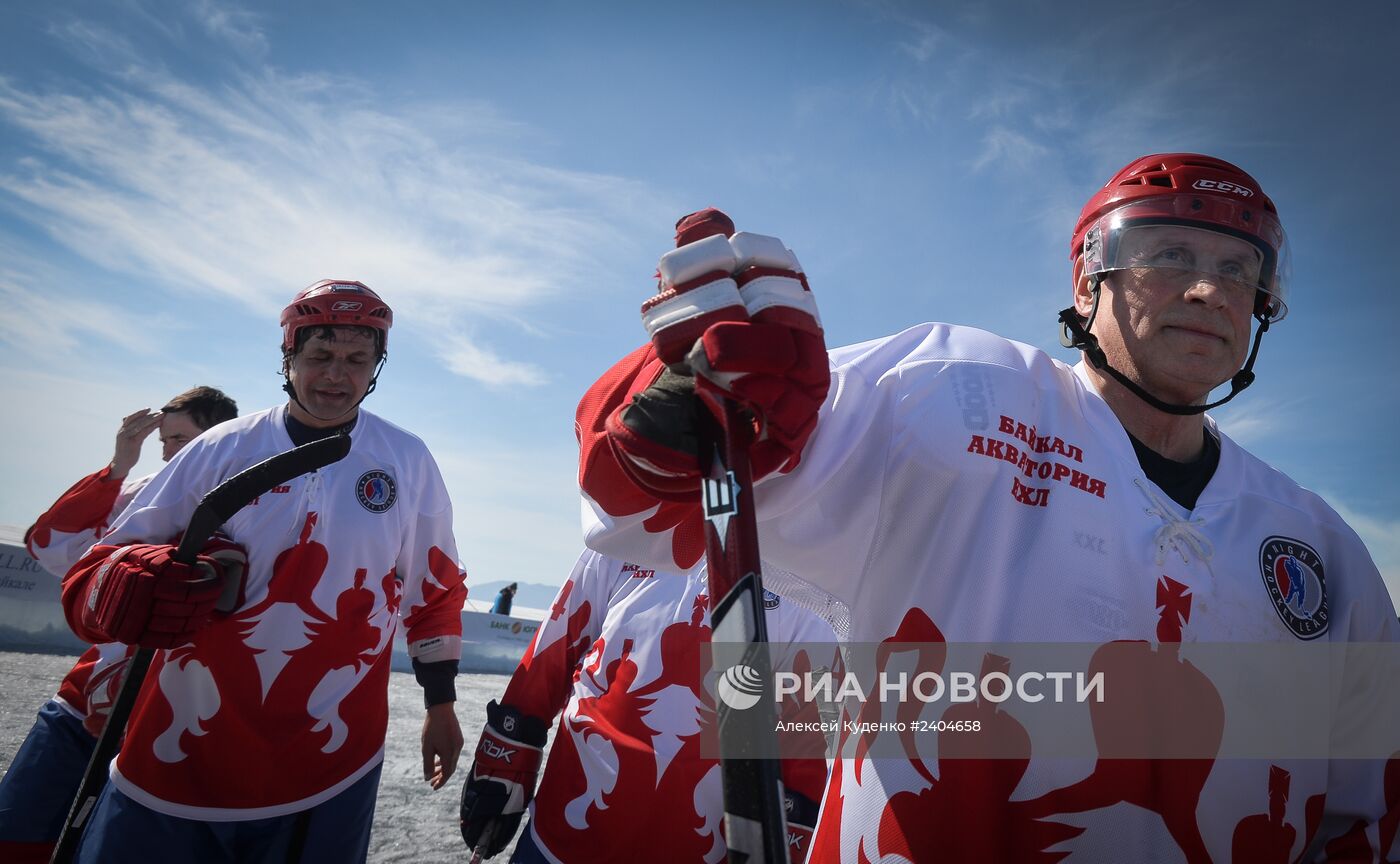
pixel 621 656
pixel 950 485
pixel 259 735
pixel 39 786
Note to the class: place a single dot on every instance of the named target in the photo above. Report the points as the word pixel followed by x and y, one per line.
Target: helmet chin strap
pixel 292 391
pixel 1074 334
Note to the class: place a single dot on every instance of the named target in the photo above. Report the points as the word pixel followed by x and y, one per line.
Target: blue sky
pixel 506 175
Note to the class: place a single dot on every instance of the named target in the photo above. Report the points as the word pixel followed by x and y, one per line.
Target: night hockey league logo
pixel 1296 583
pixel 376 491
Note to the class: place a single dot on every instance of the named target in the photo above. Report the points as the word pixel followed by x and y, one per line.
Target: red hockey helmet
pixel 336 303
pixel 1193 191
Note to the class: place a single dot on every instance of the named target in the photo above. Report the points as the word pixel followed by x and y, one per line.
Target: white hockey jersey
pixel 964 488
pixel 620 654
pixel 283 703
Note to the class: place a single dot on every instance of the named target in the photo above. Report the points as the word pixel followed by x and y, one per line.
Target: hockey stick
pixel 216 508
pixel 755 828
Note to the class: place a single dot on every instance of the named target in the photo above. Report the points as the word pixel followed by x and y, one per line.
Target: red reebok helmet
pixel 336 303
pixel 1191 190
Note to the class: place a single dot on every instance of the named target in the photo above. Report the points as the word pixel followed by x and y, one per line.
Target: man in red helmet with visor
pixel 259 734
pixel 948 486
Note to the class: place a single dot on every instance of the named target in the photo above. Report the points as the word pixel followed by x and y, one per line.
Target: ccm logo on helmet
pixel 1223 186
pixel 346 306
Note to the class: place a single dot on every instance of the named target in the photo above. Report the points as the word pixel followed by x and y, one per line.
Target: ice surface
pixel 412 823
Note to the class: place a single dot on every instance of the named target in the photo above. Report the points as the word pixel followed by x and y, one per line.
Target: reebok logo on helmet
pixel 1223 186
pixel 346 306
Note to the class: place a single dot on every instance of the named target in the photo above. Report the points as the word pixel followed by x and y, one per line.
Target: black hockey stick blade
pixel 235 493
pixel 213 510
pixel 755 827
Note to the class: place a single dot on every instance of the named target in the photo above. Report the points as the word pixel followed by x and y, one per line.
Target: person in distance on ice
pixel 39 786
pixel 944 489
pixel 259 734
pixel 505 598
pixel 620 657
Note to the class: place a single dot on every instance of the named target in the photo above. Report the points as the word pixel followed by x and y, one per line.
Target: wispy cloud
pixel 1034 98
pixel 256 181
pixel 42 322
pixel 1249 422
pixel 237 26
pixel 474 361
pixel 1008 148
pixel 923 40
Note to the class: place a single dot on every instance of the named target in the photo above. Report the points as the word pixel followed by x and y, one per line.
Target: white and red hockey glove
pixel 502 780
pixel 801 814
pixel 695 288
pixel 734 311
pixel 774 364
pixel 141 595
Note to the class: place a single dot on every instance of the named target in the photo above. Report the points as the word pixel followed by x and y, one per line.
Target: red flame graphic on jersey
pixel 1156 694
pixel 280 653
pixel 965 814
pixel 617 719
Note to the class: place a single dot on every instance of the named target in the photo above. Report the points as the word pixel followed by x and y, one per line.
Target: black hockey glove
pixel 502 780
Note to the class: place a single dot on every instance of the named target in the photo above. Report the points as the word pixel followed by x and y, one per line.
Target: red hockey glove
pixel 656 445
pixel 502 779
pixel 801 814
pixel 697 289
pixel 141 595
pixel 770 356
pixel 775 363
pixel 702 224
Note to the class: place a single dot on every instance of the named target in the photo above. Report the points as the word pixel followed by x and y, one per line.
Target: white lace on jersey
pixel 1180 534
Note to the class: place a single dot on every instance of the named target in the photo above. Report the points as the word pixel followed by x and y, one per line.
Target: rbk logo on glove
pixel 494 750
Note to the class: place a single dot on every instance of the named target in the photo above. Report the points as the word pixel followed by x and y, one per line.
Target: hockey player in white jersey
pixel 259 735
pixel 959 487
pixel 39 786
pixel 621 657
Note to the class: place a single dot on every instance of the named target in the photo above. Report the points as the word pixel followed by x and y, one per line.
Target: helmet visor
pixel 1140 237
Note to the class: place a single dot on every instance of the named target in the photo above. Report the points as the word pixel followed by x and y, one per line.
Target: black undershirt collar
pixel 1182 481
pixel 302 434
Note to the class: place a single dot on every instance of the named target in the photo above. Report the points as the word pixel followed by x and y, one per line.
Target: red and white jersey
pixel 77 520
pixel 620 654
pixel 960 487
pixel 283 703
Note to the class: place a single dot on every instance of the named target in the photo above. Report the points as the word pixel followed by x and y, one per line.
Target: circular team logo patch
pixel 1294 578
pixel 770 600
pixel 376 491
